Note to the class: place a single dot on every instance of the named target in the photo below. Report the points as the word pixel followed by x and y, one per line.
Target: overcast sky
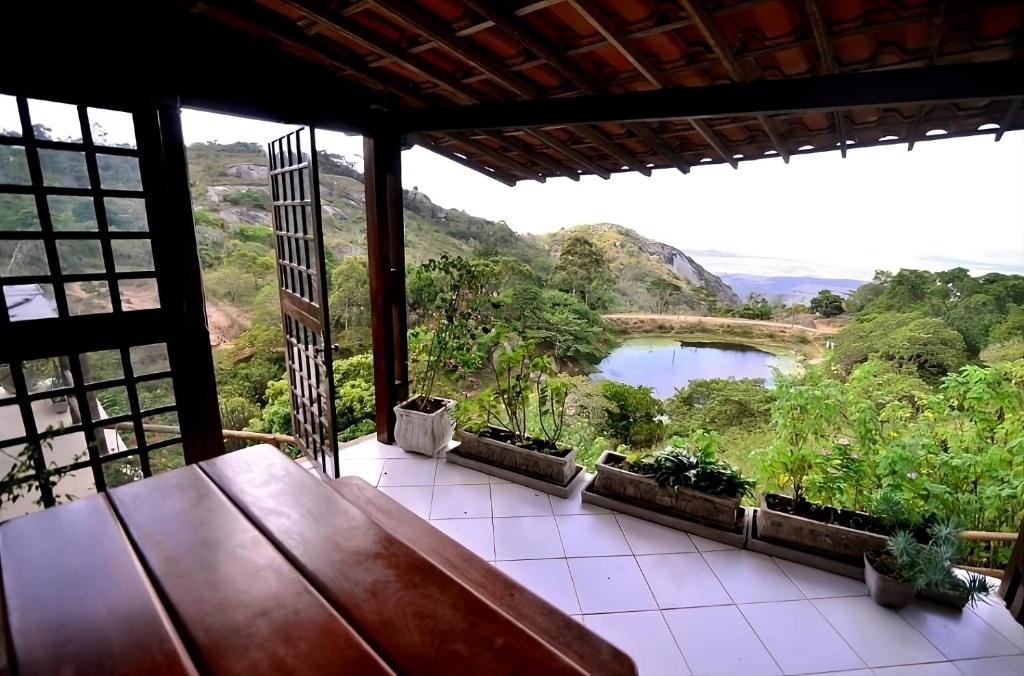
pixel 949 202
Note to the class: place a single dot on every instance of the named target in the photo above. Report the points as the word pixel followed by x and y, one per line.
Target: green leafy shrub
pixel 632 414
pixel 692 463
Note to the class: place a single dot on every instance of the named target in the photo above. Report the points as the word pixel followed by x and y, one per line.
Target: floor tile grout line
pixel 737 606
pixel 999 631
pixel 945 657
pixel 494 539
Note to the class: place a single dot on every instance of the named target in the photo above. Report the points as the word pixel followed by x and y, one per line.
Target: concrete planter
pixel 424 433
pixel 831 541
pixel 686 503
pixel 886 591
pixel 548 468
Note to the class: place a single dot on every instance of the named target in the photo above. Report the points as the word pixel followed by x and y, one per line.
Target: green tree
pixel 249 262
pixel 666 294
pixel 1011 328
pixel 632 414
pixel 583 271
pixel 349 302
pixel 973 318
pixel 720 404
pixel 827 304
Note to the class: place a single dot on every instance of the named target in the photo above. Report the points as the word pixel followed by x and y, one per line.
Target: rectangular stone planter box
pixel 686 503
pixel 659 515
pixel 807 535
pixel 548 468
pixel 797 554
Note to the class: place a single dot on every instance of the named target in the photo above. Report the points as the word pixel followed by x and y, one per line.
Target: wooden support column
pixel 385 248
pixel 182 299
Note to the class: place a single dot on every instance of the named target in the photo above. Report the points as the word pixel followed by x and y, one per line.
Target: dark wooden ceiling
pixel 462 52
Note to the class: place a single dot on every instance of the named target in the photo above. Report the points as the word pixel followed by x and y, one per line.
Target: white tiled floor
pixel 680 604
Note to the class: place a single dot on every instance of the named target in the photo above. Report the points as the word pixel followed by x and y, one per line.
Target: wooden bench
pixel 247 564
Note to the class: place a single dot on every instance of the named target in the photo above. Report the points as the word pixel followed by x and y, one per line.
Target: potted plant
pixel 806 454
pixel 423 423
pixel 497 430
pixel 686 479
pixel 906 567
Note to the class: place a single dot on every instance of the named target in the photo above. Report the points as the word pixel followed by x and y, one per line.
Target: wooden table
pixel 247 564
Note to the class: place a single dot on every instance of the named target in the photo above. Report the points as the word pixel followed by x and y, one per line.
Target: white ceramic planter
pixel 424 433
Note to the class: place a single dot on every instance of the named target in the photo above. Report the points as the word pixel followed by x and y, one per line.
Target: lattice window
pixel 85 370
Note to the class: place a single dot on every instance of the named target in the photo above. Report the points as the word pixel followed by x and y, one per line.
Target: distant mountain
pixel 789 289
pixel 229 182
pixel 637 260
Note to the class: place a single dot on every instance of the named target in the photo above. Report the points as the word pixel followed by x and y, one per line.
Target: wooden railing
pixel 987 536
pixel 277 440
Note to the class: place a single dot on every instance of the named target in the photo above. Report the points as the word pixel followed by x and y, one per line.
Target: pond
pixel 666 364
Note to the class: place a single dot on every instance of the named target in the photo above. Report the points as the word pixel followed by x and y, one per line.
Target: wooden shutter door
pixel 301 273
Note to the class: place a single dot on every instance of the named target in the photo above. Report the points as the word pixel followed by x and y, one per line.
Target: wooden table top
pixel 248 564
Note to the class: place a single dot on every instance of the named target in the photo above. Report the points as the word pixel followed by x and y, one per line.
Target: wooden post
pixel 385 248
pixel 1012 587
pixel 181 284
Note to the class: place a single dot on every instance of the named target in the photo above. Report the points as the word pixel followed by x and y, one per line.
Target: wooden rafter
pixel 367 39
pixel 416 64
pixel 589 10
pixel 447 152
pixel 715 142
pixel 631 34
pixel 1009 118
pixel 660 146
pixel 934 45
pixel 610 147
pixel 773 134
pixel 303 45
pixel 528 151
pixel 705 23
pixel 828 62
pixel 572 154
pixel 420 21
pixel 494 158
pixel 616 37
pixel 516 28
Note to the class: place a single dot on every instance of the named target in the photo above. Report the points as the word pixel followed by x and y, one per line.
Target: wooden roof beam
pixel 372 42
pixel 601 43
pixel 608 146
pixel 571 153
pixel 773 134
pixel 499 176
pixel 934 44
pixel 616 37
pixel 712 139
pixel 880 88
pixel 660 147
pixel 494 158
pixel 516 28
pixel 828 62
pixel 422 22
pixel 1008 119
pixel 522 32
pixel 302 44
pixel 705 23
pixel 525 149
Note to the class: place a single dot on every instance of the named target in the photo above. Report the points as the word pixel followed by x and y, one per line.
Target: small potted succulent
pixel 686 479
pixel 906 567
pixel 517 424
pixel 423 423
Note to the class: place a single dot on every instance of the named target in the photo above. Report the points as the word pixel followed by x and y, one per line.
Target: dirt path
pixel 639 320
